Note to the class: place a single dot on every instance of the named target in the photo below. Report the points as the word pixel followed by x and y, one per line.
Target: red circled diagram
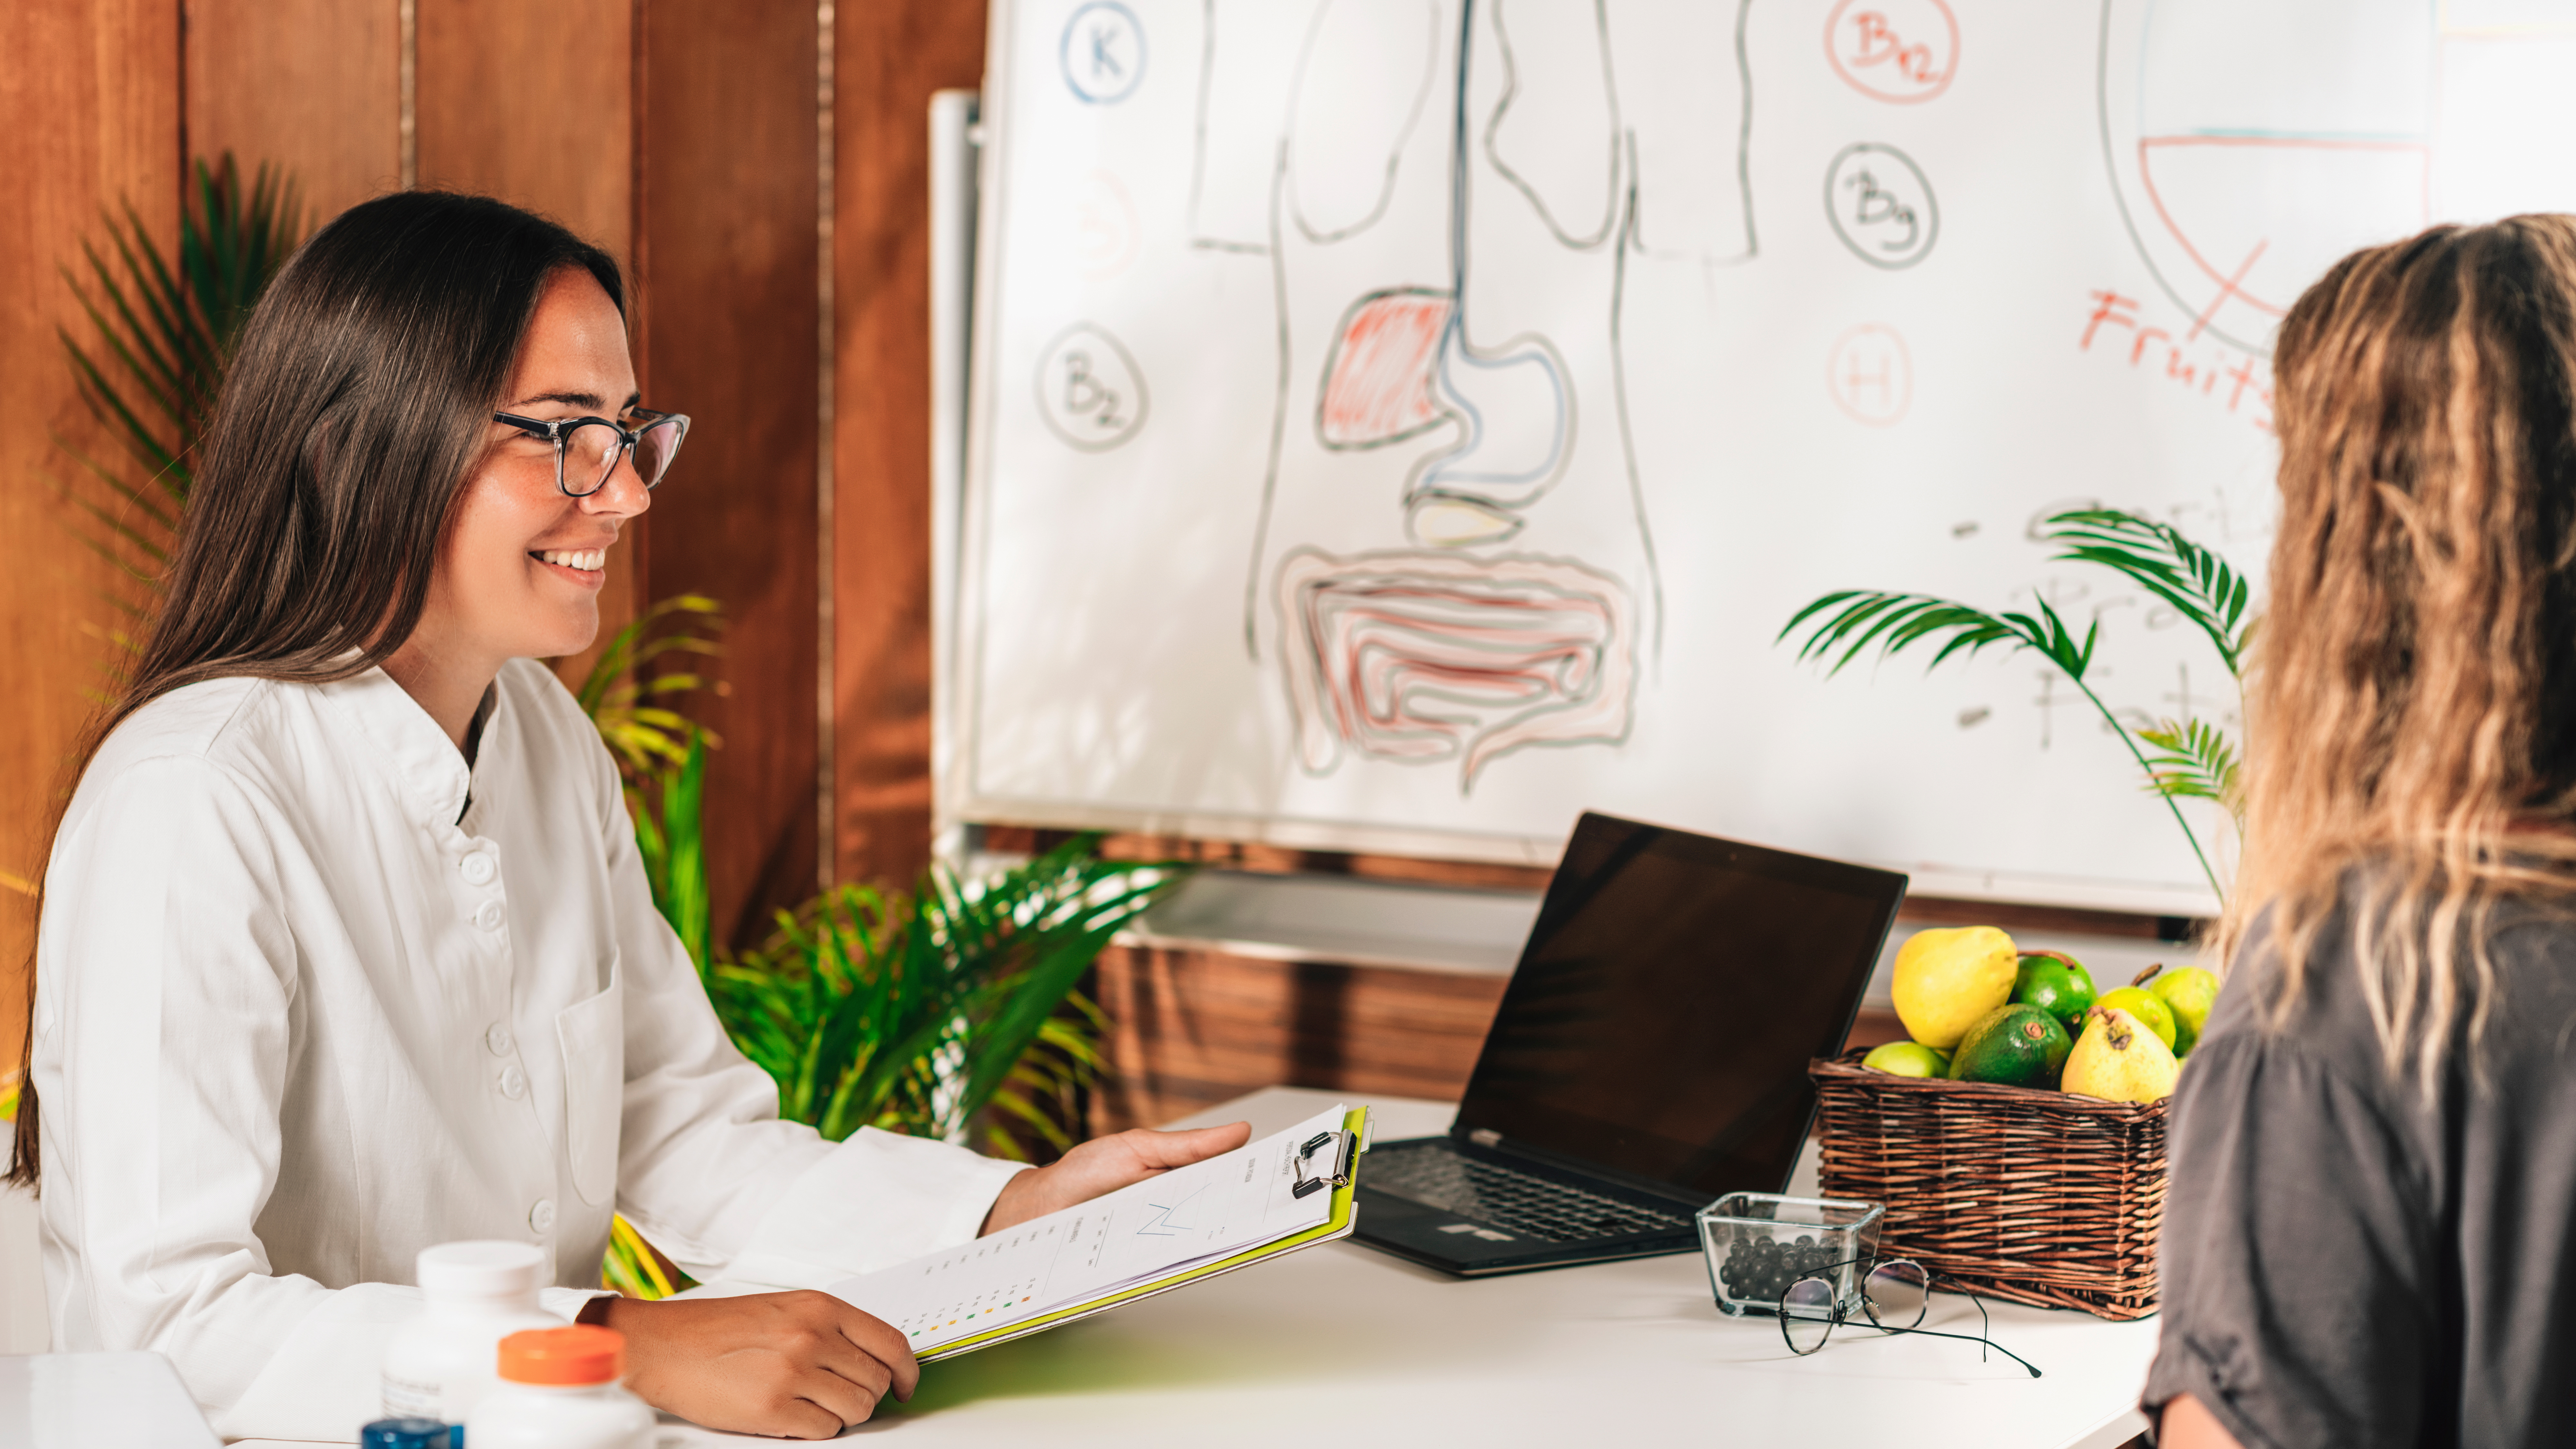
pixel 1870 373
pixel 1903 52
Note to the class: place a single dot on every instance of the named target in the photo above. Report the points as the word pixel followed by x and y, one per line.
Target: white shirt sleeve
pixel 708 1171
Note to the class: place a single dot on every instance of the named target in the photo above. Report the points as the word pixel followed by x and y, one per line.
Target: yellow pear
pixel 1946 979
pixel 2119 1060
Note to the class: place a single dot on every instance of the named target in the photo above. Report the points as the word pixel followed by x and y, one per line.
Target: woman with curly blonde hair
pixel 2371 1237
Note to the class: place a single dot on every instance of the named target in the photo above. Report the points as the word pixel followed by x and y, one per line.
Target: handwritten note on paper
pixel 1149 1230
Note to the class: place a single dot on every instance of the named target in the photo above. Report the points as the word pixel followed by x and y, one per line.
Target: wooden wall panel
pixel 535 104
pixel 89 95
pixel 314 86
pixel 888 58
pixel 1191 1029
pixel 729 253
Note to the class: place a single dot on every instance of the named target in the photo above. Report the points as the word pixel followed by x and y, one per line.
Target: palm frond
pixel 160 333
pixel 635 643
pixel 924 1013
pixel 1861 618
pixel 1849 622
pixel 670 836
pixel 2192 760
pixel 160 516
pixel 648 740
pixel 2158 558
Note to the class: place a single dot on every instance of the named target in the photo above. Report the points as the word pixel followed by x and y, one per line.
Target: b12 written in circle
pixel 1899 51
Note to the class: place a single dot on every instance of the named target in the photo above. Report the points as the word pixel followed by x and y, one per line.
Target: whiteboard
pixel 1401 425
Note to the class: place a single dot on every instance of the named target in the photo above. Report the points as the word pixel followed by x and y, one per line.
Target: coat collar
pixel 424 765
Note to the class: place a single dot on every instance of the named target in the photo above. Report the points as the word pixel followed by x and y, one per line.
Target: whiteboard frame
pixel 955 140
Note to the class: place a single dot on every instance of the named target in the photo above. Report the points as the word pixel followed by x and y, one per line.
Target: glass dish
pixel 1757 1243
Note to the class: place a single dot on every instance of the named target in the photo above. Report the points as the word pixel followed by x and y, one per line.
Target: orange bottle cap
pixel 582 1354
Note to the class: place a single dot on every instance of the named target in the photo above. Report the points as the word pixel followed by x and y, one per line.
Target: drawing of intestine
pixel 1447 194
pixel 1429 656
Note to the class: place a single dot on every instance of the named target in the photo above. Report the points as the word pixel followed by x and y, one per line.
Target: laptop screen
pixel 1671 994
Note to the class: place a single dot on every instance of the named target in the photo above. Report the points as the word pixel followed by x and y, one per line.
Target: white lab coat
pixel 297 1020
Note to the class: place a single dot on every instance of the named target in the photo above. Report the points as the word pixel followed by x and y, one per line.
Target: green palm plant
pixel 2191 759
pixel 671 837
pixel 923 1013
pixel 626 701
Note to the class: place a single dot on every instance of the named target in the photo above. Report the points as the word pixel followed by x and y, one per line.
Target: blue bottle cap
pixel 406 1434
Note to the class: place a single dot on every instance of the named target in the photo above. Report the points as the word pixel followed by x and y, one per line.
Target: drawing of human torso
pixel 1454 560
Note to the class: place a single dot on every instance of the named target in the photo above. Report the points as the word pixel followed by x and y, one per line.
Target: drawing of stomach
pixel 1400 366
pixel 2251 146
pixel 1431 655
pixel 1446 261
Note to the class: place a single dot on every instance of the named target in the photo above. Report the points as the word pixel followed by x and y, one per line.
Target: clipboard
pixel 1328 1161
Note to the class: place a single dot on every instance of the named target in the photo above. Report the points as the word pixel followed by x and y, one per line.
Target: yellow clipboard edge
pixel 1337 1224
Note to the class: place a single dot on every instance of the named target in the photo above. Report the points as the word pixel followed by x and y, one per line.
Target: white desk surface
pixel 97 1401
pixel 1342 1344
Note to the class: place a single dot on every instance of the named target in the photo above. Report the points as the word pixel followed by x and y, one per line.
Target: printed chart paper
pixel 1163 1225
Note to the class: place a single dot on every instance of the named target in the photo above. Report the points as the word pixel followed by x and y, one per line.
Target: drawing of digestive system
pixel 2250 146
pixel 1454 561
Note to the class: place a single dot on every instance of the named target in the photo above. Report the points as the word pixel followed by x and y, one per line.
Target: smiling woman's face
pixel 519 572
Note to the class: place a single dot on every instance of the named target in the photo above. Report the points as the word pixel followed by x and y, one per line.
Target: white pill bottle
pixel 441 1363
pixel 559 1391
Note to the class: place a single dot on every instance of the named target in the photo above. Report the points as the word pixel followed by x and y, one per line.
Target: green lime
pixel 2057 984
pixel 2191 992
pixel 2018 1046
pixel 1907 1059
pixel 2147 1007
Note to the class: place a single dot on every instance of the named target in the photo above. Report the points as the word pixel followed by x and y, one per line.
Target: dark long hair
pixel 358 401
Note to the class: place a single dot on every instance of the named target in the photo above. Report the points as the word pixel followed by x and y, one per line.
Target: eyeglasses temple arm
pixel 1968 1338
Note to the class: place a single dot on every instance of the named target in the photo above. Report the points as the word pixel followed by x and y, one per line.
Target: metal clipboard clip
pixel 1344 1146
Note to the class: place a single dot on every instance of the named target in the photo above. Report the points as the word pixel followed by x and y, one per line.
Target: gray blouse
pixel 2347 1261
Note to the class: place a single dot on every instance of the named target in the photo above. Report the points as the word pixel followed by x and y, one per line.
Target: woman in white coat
pixel 345 947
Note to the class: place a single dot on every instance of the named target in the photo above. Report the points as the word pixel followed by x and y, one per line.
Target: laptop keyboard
pixel 1542 1207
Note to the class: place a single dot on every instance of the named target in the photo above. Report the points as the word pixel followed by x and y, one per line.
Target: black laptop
pixel 1650 1054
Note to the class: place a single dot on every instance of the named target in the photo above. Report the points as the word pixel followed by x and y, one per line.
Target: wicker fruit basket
pixel 2039 1197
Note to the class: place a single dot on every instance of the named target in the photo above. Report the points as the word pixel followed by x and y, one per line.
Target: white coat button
pixel 488 915
pixel 498 1039
pixel 514 1083
pixel 478 868
pixel 541 1218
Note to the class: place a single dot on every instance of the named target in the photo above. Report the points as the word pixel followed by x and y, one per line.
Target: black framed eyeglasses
pixel 1894 1292
pixel 587 449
